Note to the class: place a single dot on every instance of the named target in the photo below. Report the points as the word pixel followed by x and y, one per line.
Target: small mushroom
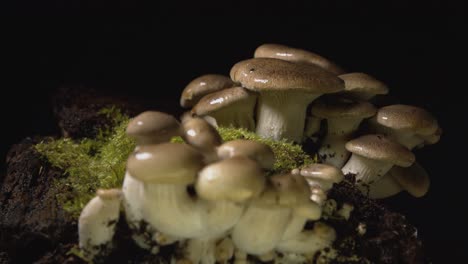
pixel 373 156
pixel 166 171
pixel 97 222
pixel 343 118
pixel 321 178
pixel 362 86
pixel 202 136
pixel 283 52
pixel 203 85
pixel 285 90
pixel 257 151
pixel 152 127
pixel 229 107
pixel 413 179
pixel 408 125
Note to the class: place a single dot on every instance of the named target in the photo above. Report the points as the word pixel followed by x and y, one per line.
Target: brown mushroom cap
pixel 218 100
pixel 291 188
pixel 407 117
pixel 283 52
pixel 200 134
pixel 338 107
pixel 166 163
pixel 413 179
pixel 323 172
pixel 202 86
pixel 358 82
pixel 153 127
pixel 265 74
pixel 379 147
pixel 236 179
pixel 254 150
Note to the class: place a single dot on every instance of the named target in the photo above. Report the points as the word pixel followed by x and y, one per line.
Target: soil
pixel 34 228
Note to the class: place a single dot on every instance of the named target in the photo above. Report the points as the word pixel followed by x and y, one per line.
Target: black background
pixel 153 51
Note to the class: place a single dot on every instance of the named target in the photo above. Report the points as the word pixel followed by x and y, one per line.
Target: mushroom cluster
pixel 300 96
pixel 214 199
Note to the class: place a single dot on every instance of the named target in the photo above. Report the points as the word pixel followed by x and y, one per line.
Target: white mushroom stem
pixel 171 210
pixel 260 228
pixel 224 250
pixel 384 187
pixel 132 189
pixel 239 117
pixel 366 170
pixel 333 151
pixel 310 241
pixel 97 222
pixel 282 115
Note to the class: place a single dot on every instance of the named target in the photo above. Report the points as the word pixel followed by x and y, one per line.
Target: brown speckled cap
pixel 153 127
pixel 266 74
pixel 202 86
pixel 407 117
pixel 217 100
pixel 362 86
pixel 337 107
pixel 378 147
pixel 171 163
pixel 283 52
pixel 323 172
pixel 254 150
pixel 237 179
pixel 413 179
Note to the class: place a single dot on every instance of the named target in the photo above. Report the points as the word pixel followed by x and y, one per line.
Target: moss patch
pixel 90 164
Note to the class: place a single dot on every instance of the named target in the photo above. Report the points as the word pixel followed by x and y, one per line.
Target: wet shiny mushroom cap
pixel 266 74
pixel 202 86
pixel 338 107
pixel 254 150
pixel 323 172
pixel 166 163
pixel 153 127
pixel 362 86
pixel 283 52
pixel 236 179
pixel 221 99
pixel 413 179
pixel 200 134
pixel 407 118
pixel 379 147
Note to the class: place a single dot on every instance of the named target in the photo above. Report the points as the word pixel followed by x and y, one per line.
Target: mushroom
pixel 413 179
pixel 283 52
pixel 229 107
pixel 343 118
pixel 203 85
pixel 152 127
pixel 202 136
pixel 408 125
pixel 285 90
pixel 280 209
pixel 374 155
pixel 166 170
pixel 97 222
pixel 257 151
pixel 225 187
pixel 320 177
pixel 362 86
pixel 312 128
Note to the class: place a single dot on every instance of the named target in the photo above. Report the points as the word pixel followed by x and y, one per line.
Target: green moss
pixel 90 164
pixel 288 155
